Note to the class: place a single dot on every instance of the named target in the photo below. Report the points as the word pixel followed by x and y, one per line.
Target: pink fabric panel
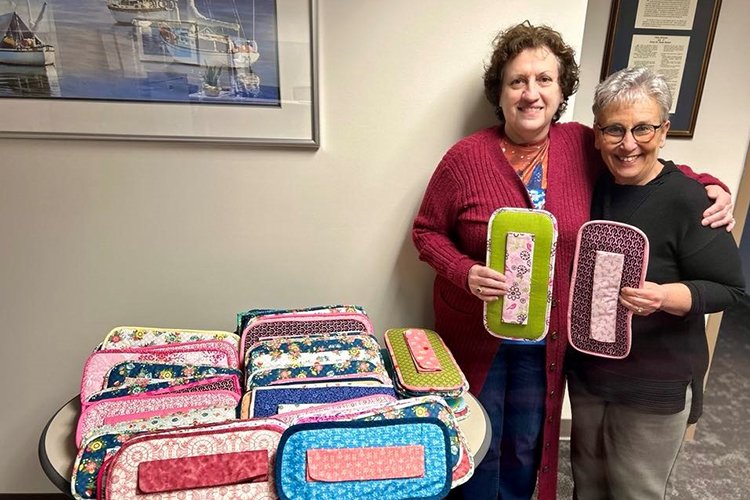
pixel 421 350
pixel 605 294
pixel 202 471
pixel 365 464
pixel 93 415
pixel 519 252
pixel 125 417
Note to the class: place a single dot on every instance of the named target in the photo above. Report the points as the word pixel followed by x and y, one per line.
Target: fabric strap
pixel 203 471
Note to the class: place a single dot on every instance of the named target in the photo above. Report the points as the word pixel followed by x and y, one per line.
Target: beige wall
pixel 99 234
pixel 721 135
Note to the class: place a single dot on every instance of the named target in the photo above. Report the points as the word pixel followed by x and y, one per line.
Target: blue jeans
pixel 513 395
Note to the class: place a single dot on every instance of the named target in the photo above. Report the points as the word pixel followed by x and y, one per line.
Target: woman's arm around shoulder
pixel 719 214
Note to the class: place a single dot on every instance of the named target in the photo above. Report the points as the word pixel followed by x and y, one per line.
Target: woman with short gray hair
pixel 630 415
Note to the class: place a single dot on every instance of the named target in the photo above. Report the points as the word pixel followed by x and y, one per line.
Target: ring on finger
pixel 640 310
pixel 479 290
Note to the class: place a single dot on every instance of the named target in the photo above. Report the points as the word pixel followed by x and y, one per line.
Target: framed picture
pixel 672 38
pixel 223 71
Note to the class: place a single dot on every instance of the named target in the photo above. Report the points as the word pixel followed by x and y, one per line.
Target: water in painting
pixel 208 51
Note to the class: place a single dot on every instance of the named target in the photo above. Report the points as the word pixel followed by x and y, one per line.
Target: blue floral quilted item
pixel 315 461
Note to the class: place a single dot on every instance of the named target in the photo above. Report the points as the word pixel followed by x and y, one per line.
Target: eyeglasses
pixel 614 134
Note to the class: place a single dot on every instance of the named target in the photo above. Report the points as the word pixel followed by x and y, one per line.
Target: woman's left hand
pixel 720 213
pixel 643 301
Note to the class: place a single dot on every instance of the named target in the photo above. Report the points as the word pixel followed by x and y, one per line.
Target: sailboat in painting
pixel 204 41
pixel 20 45
pixel 126 11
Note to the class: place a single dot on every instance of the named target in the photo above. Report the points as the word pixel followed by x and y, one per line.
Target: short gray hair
pixel 630 85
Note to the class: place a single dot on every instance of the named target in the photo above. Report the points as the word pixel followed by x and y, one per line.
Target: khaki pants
pixel 619 453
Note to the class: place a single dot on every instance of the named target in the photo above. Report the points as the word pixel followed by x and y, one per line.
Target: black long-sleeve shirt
pixel 667 352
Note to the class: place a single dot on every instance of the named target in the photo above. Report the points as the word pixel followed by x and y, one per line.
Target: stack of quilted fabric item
pixel 319 417
pixel 321 371
pixel 423 365
pixel 145 379
pixel 297 358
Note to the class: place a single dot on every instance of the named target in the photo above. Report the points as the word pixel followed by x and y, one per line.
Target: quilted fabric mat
pixel 592 308
pixel 530 293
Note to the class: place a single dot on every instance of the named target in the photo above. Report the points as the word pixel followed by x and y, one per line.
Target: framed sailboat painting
pixel 226 71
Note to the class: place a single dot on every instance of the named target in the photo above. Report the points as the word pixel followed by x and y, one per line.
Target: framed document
pixel 674 39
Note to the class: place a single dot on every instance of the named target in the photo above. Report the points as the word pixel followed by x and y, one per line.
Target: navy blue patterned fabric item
pixel 266 400
pixel 121 373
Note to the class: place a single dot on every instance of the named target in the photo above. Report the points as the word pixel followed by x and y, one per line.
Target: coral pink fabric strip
pixel 203 471
pixel 421 350
pixel 365 464
pixel 605 294
pixel 519 252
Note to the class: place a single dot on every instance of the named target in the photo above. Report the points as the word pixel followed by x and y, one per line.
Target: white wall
pixel 99 234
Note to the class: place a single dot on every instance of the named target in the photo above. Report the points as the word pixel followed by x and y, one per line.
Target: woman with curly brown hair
pixel 528 161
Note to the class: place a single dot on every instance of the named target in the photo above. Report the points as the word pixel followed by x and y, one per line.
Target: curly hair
pixel 514 40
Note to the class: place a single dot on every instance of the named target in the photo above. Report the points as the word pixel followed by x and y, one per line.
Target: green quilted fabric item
pixel 449 379
pixel 543 226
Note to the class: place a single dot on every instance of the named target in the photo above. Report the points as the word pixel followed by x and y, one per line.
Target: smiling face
pixel 632 162
pixel 530 94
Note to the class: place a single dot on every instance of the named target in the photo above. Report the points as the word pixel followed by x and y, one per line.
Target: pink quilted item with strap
pixel 609 256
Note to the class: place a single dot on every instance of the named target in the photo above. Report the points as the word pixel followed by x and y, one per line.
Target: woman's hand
pixel 720 213
pixel 486 283
pixel 643 301
pixel 672 298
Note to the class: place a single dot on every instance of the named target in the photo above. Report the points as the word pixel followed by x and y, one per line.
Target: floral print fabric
pixel 124 337
pixel 519 253
pixel 104 441
pixel 236 437
pixel 307 351
pixel 291 473
pixel 134 407
pixel 99 363
pixel 322 357
pixel 135 372
pixel 187 384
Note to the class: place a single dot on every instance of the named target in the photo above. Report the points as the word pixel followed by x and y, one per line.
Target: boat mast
pixel 39 17
pixel 197 15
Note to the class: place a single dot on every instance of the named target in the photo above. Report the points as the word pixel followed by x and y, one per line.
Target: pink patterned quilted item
pixel 174 474
pixel 293 324
pixel 95 414
pixel 421 350
pixel 125 337
pixel 122 475
pixel 598 324
pixel 365 464
pixel 98 364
